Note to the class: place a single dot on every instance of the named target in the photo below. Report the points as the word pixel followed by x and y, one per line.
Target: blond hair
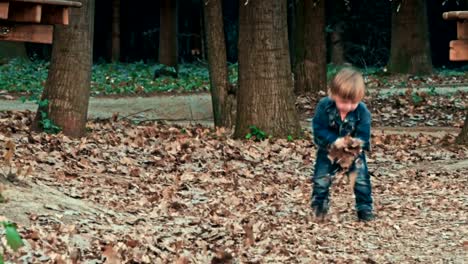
pixel 348 84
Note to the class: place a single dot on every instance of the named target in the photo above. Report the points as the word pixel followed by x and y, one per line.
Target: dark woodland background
pixel 367 29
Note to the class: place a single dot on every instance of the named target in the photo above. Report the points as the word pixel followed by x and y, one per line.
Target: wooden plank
pixel 462 29
pixel 4 10
pixel 54 15
pixel 51 2
pixel 23 12
pixel 26 33
pixel 455 15
pixel 459 50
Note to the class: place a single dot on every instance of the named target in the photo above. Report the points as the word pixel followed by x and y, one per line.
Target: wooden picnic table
pixel 33 20
pixel 459 48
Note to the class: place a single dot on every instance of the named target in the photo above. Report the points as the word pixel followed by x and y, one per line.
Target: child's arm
pixel 363 128
pixel 323 136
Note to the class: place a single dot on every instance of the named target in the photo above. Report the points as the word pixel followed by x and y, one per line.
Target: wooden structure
pixel 33 20
pixel 459 47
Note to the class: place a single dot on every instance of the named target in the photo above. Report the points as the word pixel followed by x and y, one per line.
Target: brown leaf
pixel 19 170
pixel 126 161
pixel 75 256
pixel 33 234
pixel 115 116
pixel 10 152
pixel 111 255
pixel 222 257
pixel 249 236
pixel 29 171
pixel 182 260
pixel 135 172
pixel 132 243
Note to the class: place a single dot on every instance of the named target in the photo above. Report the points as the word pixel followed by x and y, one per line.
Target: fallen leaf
pixel 111 255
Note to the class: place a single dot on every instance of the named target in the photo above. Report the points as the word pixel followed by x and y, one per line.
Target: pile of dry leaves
pixel 409 109
pixel 387 80
pixel 169 194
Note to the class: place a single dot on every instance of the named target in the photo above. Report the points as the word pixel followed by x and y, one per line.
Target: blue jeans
pixel 323 176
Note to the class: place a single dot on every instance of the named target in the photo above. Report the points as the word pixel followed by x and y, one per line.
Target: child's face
pixel 345 105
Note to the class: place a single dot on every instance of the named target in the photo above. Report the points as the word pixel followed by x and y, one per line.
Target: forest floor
pixel 135 190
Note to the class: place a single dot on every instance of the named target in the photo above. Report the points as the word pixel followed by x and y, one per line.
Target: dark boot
pixel 365 215
pixel 320 212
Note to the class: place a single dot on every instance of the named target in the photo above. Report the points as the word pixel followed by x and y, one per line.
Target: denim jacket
pixel 327 124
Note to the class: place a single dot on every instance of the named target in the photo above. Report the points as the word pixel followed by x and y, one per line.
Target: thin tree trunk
pixel 217 62
pixel 463 136
pixel 68 82
pixel 311 57
pixel 337 52
pixel 168 33
pixel 298 40
pixel 115 30
pixel 203 36
pixel 265 98
pixel 338 10
pixel 410 51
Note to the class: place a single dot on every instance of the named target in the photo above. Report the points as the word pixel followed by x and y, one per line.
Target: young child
pixel 340 114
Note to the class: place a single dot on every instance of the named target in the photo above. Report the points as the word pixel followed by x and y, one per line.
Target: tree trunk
pixel 265 97
pixel 68 82
pixel 203 37
pixel 338 10
pixel 311 57
pixel 337 52
pixel 462 138
pixel 217 62
pixel 115 30
pixel 168 33
pixel 410 51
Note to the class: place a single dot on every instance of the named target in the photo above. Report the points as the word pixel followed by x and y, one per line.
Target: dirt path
pixel 185 107
pixel 191 107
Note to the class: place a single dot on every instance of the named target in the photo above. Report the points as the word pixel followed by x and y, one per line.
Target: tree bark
pixel 217 62
pixel 265 98
pixel 463 136
pixel 168 33
pixel 115 30
pixel 68 82
pixel 410 49
pixel 311 57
